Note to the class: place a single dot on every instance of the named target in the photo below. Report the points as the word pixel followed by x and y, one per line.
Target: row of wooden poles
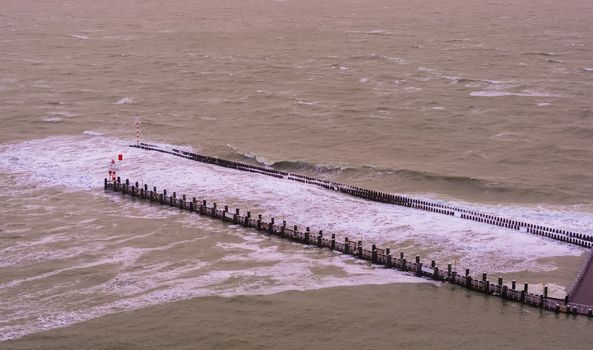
pixel 580 239
pixel 374 254
pixel 569 237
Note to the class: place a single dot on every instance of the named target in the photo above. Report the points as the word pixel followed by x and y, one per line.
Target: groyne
pixel 580 239
pixel 376 255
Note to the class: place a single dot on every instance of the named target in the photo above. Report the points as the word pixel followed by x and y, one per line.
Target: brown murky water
pixel 485 104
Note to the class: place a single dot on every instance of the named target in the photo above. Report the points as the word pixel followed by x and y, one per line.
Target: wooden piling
pixel 375 255
pixel 561 235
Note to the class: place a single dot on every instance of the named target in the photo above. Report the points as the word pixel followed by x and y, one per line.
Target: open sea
pixel 485 105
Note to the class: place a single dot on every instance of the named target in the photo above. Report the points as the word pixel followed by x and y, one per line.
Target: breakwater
pixel 376 255
pixel 580 239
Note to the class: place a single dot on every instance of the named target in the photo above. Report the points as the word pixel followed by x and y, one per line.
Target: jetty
pixel 376 255
pixel 580 296
pixel 575 238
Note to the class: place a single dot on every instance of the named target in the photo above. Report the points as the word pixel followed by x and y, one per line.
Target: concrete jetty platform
pixel 580 239
pixel 580 296
pixel 376 255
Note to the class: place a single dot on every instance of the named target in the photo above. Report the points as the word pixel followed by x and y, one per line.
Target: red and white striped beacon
pixel 137 130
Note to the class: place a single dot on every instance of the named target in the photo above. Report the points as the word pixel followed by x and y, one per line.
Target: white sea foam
pixel 92 133
pixel 125 100
pixel 427 69
pixel 141 292
pixel 508 136
pixel 306 103
pixel 62 113
pixel 49 119
pixel 371 32
pixel 341 68
pixel 524 93
pixel 413 89
pixel 139 284
pixel 489 81
pixel 79 163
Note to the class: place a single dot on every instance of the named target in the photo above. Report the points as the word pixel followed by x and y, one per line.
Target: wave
pixel 371 32
pixel 296 166
pixel 78 36
pixel 337 66
pixel 470 184
pixel 92 133
pixel 456 40
pixel 254 159
pixel 545 54
pixel 524 93
pixel 462 80
pixel 380 57
pixel 304 166
pixel 579 131
pixel 49 119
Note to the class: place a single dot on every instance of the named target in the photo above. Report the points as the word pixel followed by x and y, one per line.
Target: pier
pixel 580 296
pixel 376 255
pixel 580 239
